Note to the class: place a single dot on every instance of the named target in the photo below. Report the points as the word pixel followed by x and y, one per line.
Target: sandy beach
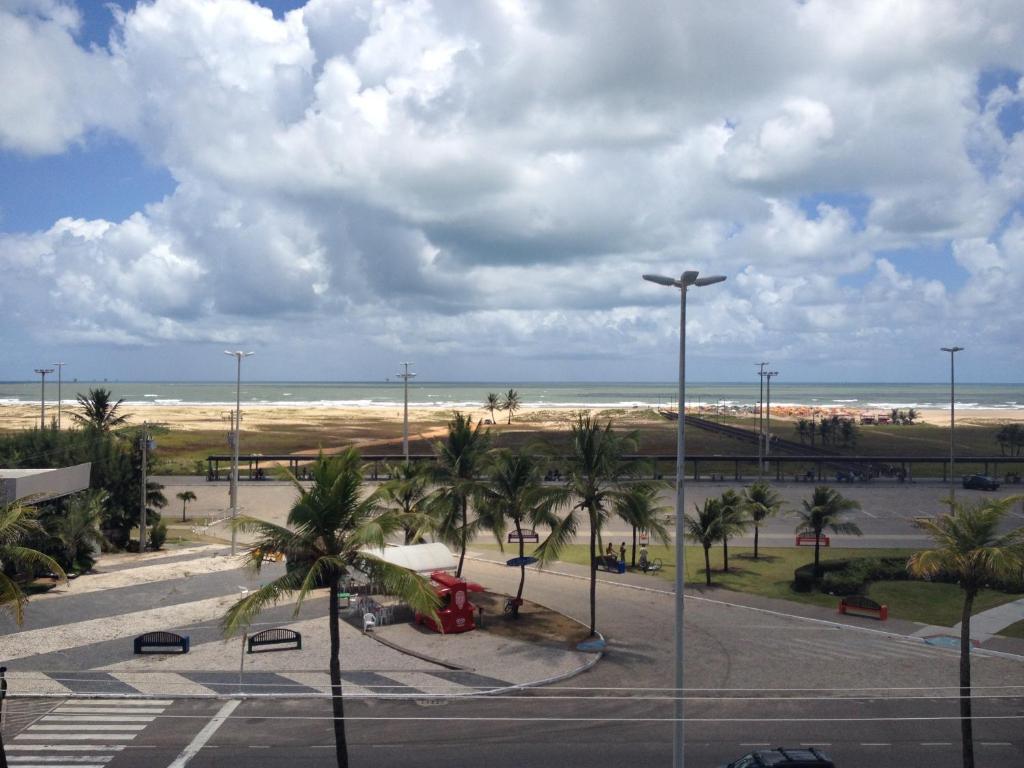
pixel 198 417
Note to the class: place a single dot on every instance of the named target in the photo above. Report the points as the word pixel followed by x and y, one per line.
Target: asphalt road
pixel 752 678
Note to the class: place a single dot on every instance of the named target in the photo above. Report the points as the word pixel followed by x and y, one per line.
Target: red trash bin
pixel 456 611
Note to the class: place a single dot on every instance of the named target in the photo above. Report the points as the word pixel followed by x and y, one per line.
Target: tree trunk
pixel 707 565
pixel 522 571
pixel 337 703
pixel 593 576
pixel 183 505
pixel 966 725
pixel 757 530
pixel 632 563
pixel 725 554
pixel 462 542
pixel 817 545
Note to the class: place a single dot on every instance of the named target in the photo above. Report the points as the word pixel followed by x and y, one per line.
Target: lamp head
pixel 708 280
pixel 952 349
pixel 662 280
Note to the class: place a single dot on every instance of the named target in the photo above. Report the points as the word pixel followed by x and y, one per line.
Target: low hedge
pixel 851 576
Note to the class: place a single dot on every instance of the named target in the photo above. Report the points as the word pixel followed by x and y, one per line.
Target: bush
pixel 158 535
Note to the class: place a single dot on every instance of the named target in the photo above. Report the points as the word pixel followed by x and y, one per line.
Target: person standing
pixel 622 552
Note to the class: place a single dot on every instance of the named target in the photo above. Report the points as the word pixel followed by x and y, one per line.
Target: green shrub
pixel 158 535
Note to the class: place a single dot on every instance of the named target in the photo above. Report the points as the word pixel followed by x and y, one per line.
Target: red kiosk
pixel 456 612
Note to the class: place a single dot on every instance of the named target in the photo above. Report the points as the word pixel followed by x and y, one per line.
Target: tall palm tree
pixel 596 469
pixel 968 545
pixel 493 403
pixel 407 492
pixel 704 529
pixel 98 412
pixel 760 502
pixel 638 506
pixel 331 527
pixel 515 491
pixel 185 497
pixel 510 402
pixel 459 461
pixel 17 524
pixel 733 521
pixel 825 510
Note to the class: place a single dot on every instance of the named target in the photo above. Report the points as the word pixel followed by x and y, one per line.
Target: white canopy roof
pixel 419 558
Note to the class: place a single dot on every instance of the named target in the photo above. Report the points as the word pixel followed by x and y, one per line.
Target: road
pixel 753 677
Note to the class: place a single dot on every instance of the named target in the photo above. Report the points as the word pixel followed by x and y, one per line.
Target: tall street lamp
pixel 238 355
pixel 60 371
pixel 405 375
pixel 768 415
pixel 760 420
pixel 952 418
pixel 42 396
pixel 687 279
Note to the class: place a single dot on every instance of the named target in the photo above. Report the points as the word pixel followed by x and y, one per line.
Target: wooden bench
pixel 809 540
pixel 859 605
pixel 528 535
pixel 277 636
pixel 161 640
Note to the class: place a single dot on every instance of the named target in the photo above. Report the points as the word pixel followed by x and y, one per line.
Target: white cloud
pixel 507 170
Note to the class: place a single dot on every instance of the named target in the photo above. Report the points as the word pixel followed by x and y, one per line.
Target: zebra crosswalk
pixel 83 732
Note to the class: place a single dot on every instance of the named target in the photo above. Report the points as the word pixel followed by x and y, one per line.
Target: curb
pixel 769 611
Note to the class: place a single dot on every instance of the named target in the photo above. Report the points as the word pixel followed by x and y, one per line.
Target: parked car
pixel 782 757
pixel 980 483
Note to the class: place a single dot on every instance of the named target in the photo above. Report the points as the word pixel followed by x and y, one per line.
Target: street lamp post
pixel 42 396
pixel 952 418
pixel 60 371
pixel 238 355
pixel 760 420
pixel 768 415
pixel 405 376
pixel 687 279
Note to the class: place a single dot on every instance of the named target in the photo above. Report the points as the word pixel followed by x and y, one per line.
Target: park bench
pixel 528 535
pixel 277 636
pixel 859 605
pixel 809 539
pixel 161 640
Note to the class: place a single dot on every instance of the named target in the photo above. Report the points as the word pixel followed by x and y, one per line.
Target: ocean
pixel 857 396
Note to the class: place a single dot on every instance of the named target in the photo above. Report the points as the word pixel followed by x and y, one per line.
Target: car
pixel 980 483
pixel 783 757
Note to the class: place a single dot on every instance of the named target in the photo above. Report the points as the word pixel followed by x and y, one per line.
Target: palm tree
pixel 825 510
pixel 595 473
pixel 638 507
pixel 185 497
pixel 760 502
pixel 98 412
pixel 332 530
pixel 407 492
pixel 18 523
pixel 515 491
pixel 459 460
pixel 911 415
pixel 510 402
pixel 705 529
pixel 734 521
pixel 78 529
pixel 970 547
pixel 493 403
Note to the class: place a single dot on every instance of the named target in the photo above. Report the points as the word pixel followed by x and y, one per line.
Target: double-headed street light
pixel 238 355
pixel 42 396
pixel 952 419
pixel 405 376
pixel 687 279
pixel 60 378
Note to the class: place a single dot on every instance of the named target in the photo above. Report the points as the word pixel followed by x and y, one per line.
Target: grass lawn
pixel 1014 630
pixel 772 573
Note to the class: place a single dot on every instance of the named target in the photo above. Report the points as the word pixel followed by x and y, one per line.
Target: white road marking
pixel 65 748
pixel 119 703
pixel 83 727
pixel 205 734
pixel 72 710
pixel 77 737
pixel 90 718
pixel 936 743
pixel 93 759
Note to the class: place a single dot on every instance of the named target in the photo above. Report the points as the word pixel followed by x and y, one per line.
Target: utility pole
pixel 144 444
pixel 239 356
pixel 42 396
pixel 760 420
pixel 952 415
pixel 768 415
pixel 60 371
pixel 405 376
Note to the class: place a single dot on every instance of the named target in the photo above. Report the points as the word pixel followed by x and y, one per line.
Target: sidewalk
pixel 991 622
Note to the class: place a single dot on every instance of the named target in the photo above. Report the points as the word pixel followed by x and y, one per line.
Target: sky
pixel 341 185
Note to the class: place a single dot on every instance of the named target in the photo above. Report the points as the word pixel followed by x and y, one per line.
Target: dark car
pixel 980 483
pixel 781 757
